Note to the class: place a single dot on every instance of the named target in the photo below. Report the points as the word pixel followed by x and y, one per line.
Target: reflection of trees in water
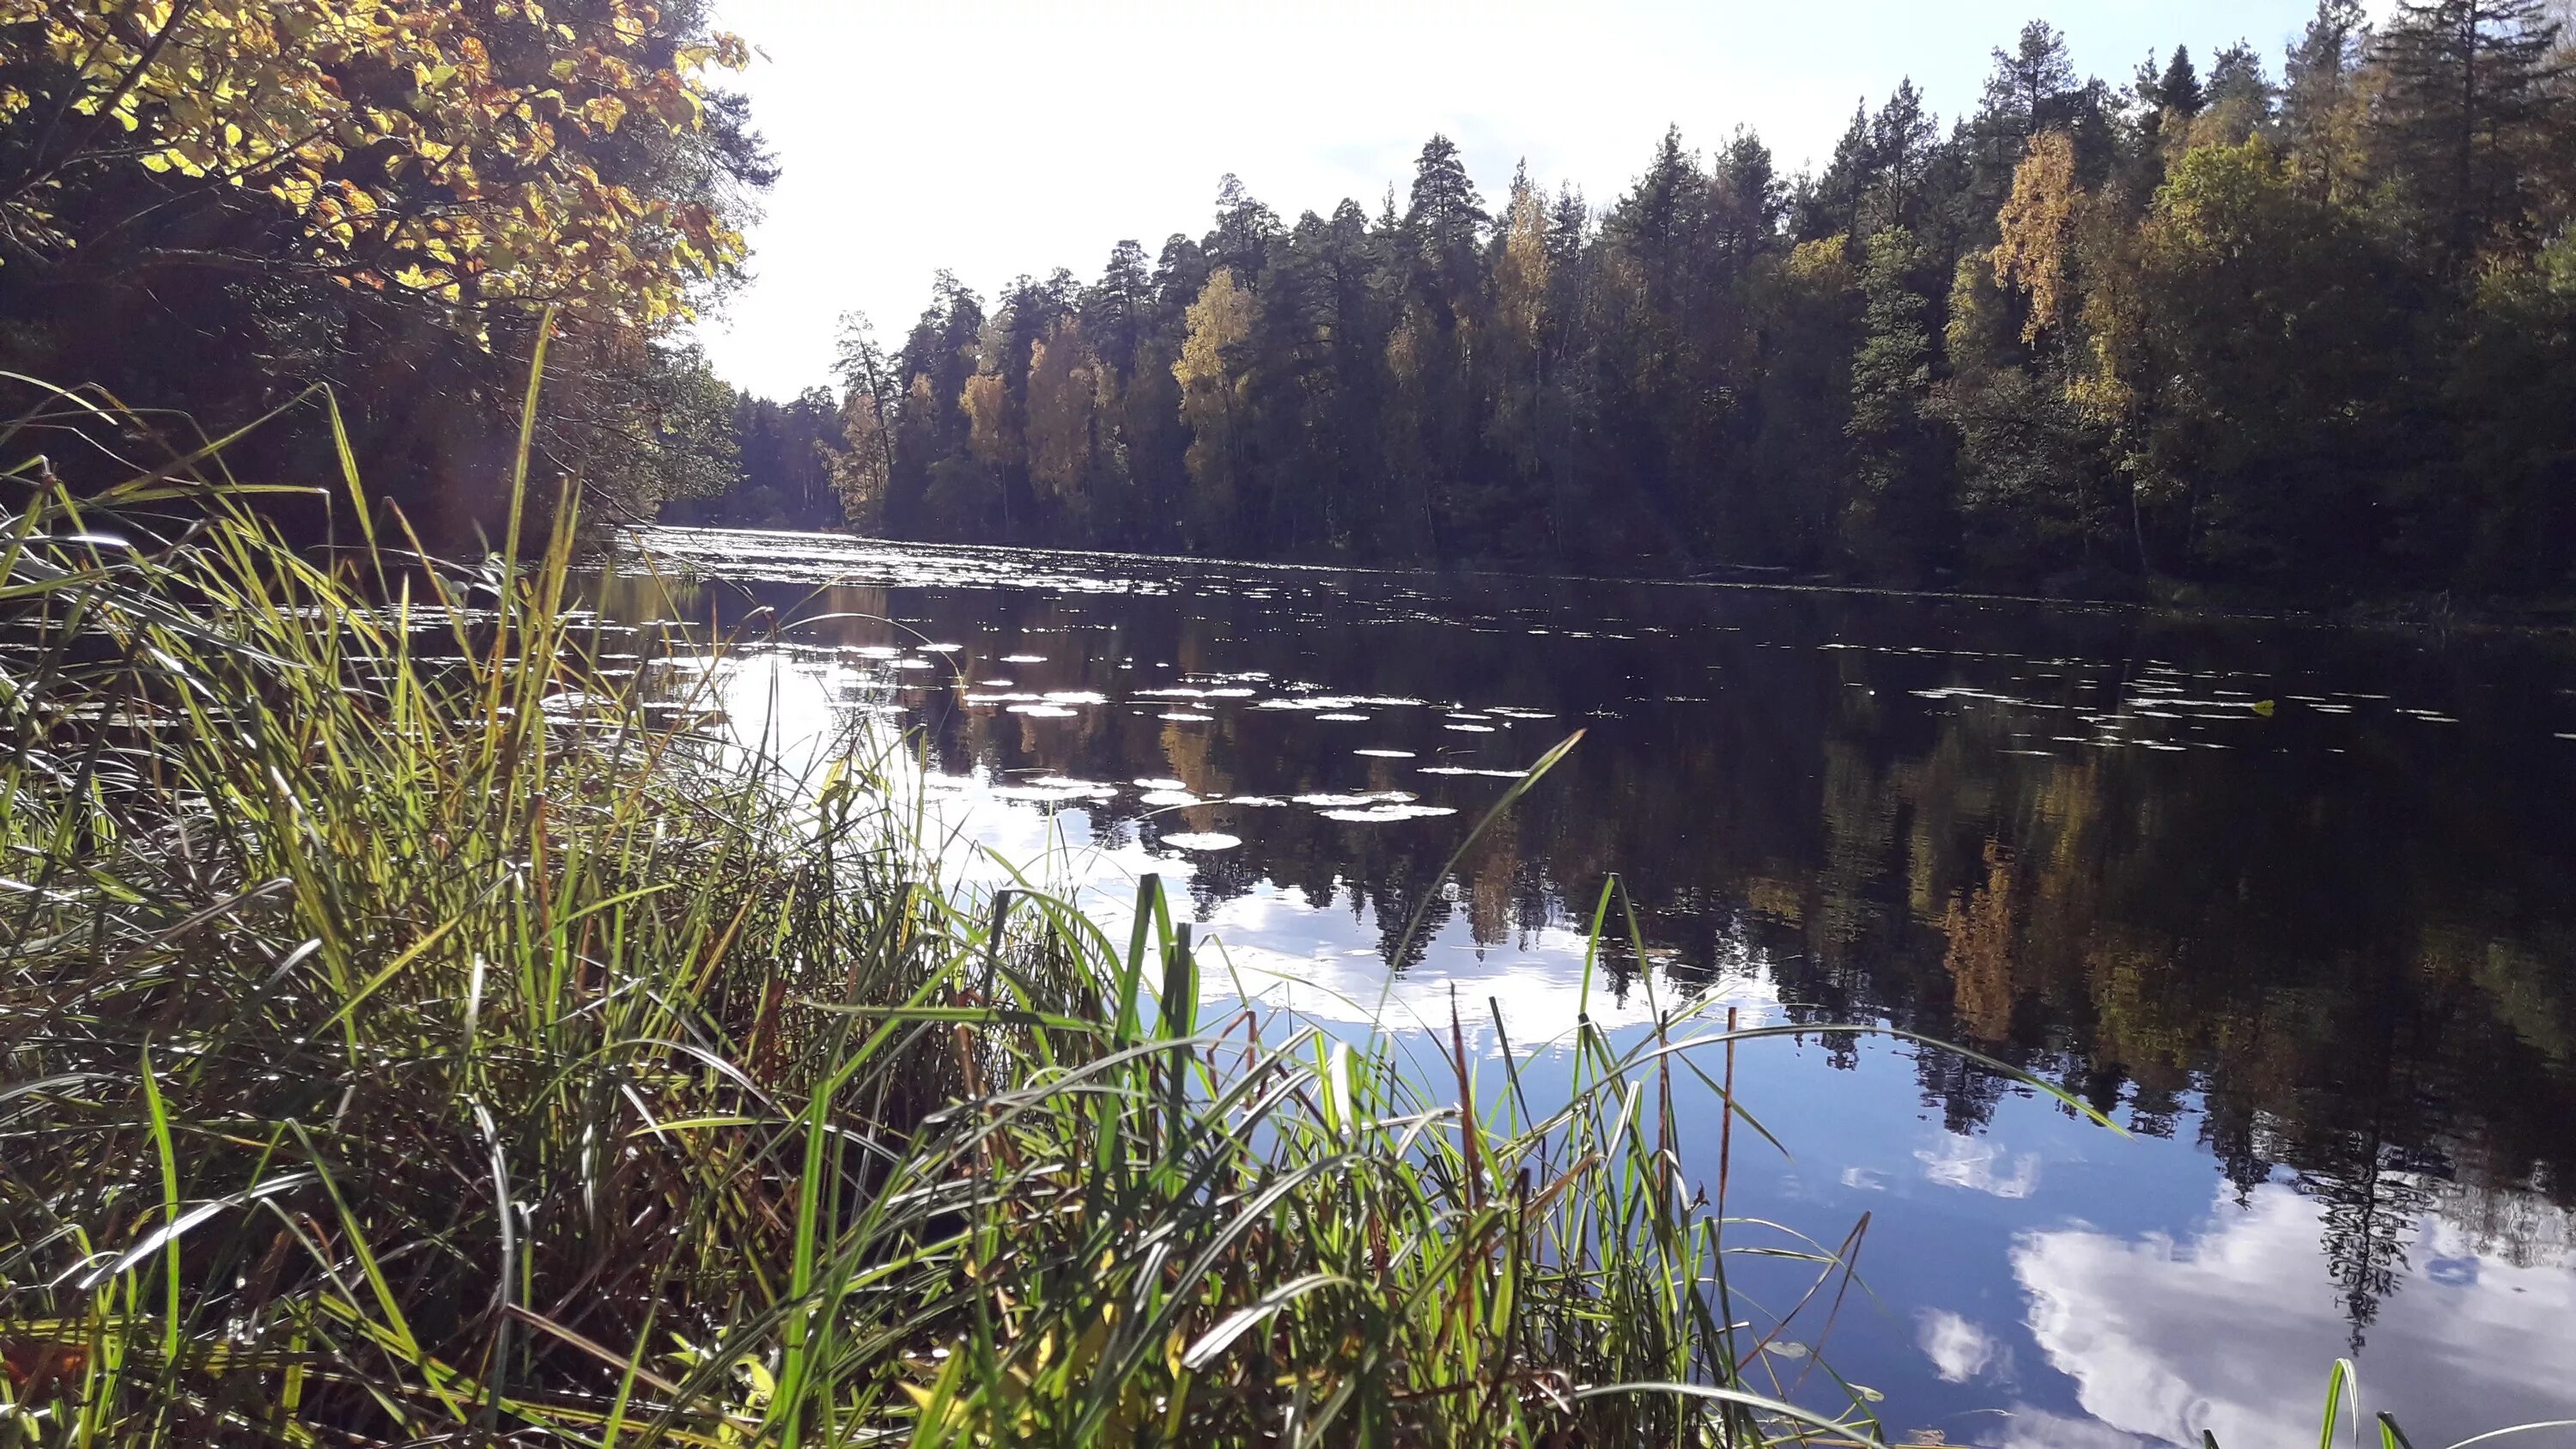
pixel 2359 964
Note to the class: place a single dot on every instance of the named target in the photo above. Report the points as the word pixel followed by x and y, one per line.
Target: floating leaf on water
pixel 1160 798
pixel 1379 814
pixel 1344 802
pixel 1161 784
pixel 1202 840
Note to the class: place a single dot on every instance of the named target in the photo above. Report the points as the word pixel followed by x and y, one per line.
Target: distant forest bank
pixel 2297 331
pixel 2298 328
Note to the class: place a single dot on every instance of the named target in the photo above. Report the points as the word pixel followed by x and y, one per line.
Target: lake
pixel 2295 906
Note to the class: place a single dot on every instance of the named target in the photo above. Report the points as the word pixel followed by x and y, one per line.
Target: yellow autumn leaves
pixel 478 154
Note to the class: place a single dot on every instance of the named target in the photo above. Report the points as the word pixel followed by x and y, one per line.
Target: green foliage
pixel 217 204
pixel 2510 392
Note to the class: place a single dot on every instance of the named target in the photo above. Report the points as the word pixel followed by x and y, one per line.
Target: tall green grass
pixel 413 1035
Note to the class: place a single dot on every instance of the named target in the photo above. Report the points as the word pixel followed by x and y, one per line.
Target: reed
pixel 414 1034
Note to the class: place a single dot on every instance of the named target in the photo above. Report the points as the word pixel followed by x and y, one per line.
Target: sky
pixel 1001 137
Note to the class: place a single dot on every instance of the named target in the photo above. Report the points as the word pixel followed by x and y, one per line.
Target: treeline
pixel 2301 326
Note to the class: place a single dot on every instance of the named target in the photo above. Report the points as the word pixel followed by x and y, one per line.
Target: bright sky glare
pixel 997 137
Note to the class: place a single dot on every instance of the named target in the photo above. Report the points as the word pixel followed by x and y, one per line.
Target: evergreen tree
pixel 1444 220
pixel 2025 91
pixel 2472 95
pixel 1830 205
pixel 2178 90
pixel 2321 107
pixel 1244 230
pixel 1117 309
pixel 1902 139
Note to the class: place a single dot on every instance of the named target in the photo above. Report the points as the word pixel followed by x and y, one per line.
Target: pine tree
pixel 1830 205
pixel 2178 90
pixel 2321 110
pixel 1746 202
pixel 871 394
pixel 1114 311
pixel 1444 220
pixel 2024 92
pixel 2241 95
pixel 1902 139
pixel 2472 93
pixel 1244 230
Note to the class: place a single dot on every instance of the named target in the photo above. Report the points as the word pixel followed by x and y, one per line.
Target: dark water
pixel 2297 907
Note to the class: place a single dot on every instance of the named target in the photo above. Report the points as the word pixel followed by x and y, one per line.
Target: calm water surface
pixel 2296 907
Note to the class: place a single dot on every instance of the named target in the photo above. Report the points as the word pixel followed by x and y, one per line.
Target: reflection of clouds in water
pixel 2233 1331
pixel 1959 1349
pixel 1980 1167
pixel 2029 1428
pixel 1324 965
pixel 1270 943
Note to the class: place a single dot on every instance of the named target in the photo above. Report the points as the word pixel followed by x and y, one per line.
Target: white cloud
pixel 2029 1428
pixel 2233 1330
pixel 1980 1166
pixel 1959 1350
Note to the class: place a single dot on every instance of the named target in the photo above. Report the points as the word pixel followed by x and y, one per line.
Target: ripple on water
pixel 1202 840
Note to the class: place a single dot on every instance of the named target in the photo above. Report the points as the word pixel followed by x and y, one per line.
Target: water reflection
pixel 2297 907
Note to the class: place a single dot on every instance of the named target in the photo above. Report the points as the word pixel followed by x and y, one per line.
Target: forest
pixel 2300 325
pixel 2295 325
